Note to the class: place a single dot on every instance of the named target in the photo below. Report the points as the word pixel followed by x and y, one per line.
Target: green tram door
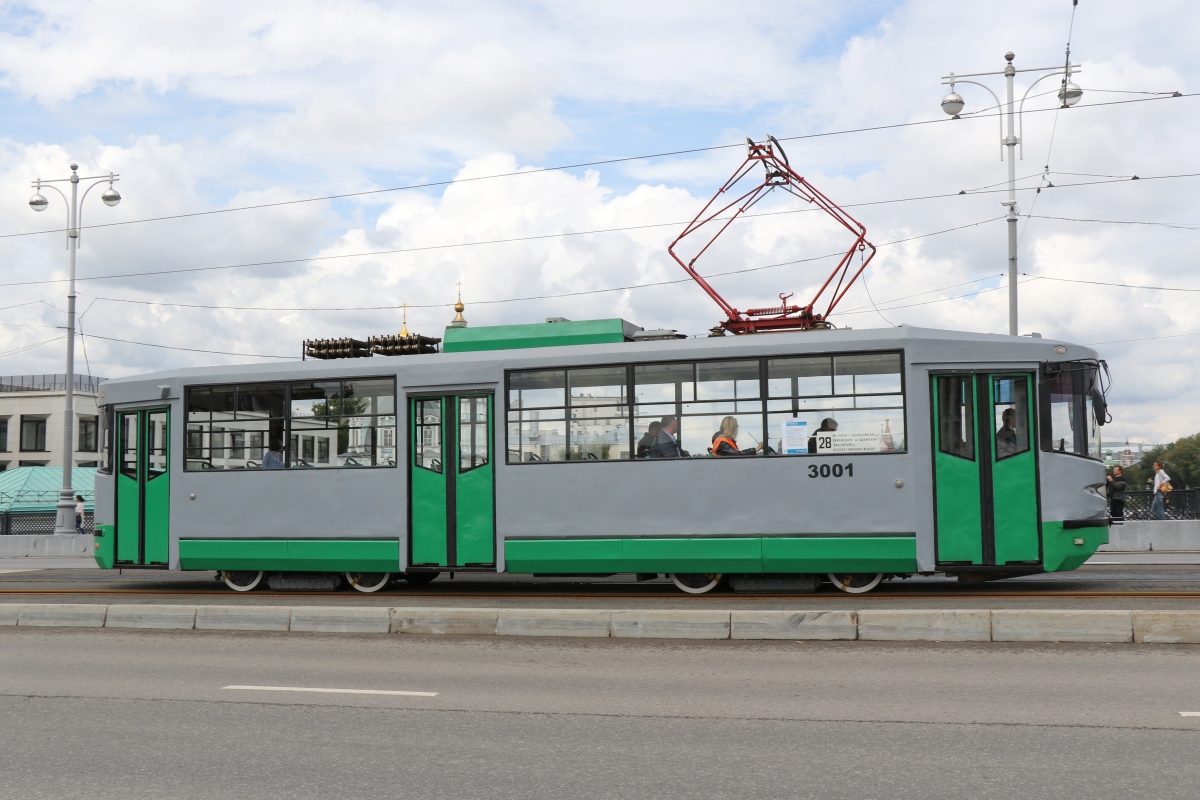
pixel 985 470
pixel 143 487
pixel 451 494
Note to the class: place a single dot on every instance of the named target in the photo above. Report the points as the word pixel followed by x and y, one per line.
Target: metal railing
pixel 49 382
pixel 1180 504
pixel 35 522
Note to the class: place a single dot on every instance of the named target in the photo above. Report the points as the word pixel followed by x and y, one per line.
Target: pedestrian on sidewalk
pixel 1162 485
pixel 79 513
pixel 1116 496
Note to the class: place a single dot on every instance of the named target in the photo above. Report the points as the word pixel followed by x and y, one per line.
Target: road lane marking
pixel 1189 713
pixel 10 571
pixel 331 691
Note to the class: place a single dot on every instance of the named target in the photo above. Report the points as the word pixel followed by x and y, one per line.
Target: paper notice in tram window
pixel 846 442
pixel 794 437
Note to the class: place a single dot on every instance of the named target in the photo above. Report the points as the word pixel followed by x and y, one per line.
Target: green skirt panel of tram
pixel 752 555
pixel 1065 549
pixel 291 555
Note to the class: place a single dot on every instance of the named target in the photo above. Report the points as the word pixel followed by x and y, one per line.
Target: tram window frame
pixel 1019 403
pixel 1073 381
pixel 473 440
pixel 258 414
pixel 756 414
pixel 107 417
pixel 960 424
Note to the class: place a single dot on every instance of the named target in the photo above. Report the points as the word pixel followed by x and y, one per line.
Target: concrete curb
pixel 798 625
pixel 923 626
pixel 915 625
pixel 552 622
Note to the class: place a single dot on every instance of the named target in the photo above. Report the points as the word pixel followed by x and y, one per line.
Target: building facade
pixel 31 420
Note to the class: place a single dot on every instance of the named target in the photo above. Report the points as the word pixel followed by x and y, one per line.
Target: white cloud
pixel 223 105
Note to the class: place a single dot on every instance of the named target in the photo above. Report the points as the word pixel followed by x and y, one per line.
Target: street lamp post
pixel 952 104
pixel 65 520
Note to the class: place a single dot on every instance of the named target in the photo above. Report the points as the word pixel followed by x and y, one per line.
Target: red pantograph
pixel 779 175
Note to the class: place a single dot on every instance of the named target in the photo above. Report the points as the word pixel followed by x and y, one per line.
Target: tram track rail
pixel 669 595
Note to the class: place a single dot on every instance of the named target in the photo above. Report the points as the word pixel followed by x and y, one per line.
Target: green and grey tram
pixel 858 455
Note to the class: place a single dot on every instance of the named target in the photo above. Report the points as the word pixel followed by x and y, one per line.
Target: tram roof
pixel 921 345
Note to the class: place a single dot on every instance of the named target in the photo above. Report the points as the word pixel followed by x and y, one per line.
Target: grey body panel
pixel 691 497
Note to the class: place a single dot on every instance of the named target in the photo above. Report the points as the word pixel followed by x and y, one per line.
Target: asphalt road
pixel 107 714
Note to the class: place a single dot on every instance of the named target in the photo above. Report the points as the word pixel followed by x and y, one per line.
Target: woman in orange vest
pixel 726 442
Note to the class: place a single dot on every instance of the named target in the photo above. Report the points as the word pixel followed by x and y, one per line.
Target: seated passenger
pixel 274 456
pixel 726 442
pixel 666 445
pixel 828 425
pixel 647 441
pixel 1006 437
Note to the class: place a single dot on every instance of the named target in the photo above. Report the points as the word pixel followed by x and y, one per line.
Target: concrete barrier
pixel 1062 626
pixel 9 612
pixel 924 626
pixel 67 615
pixel 1153 535
pixel 243 618
pixel 552 622
pixel 1166 627
pixel 341 619
pixel 669 624
pixel 445 621
pixel 808 625
pixel 158 617
pixel 68 545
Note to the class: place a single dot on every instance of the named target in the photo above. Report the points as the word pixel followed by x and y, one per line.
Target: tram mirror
pixel 1099 406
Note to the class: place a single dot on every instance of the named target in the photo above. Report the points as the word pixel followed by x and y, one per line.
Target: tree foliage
pixel 1181 459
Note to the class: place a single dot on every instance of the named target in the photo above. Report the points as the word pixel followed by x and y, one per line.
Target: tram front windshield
pixel 1070 394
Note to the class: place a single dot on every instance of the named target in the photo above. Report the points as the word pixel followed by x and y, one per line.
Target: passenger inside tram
pixel 828 425
pixel 647 441
pixel 273 458
pixel 725 443
pixel 1006 437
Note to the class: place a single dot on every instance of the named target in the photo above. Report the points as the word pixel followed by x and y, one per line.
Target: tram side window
pixel 700 395
pixel 598 418
pixel 956 415
pixel 855 401
pixel 537 416
pixel 820 405
pixel 299 425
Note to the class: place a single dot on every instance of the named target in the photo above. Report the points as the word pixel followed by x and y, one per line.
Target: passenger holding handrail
pixel 726 442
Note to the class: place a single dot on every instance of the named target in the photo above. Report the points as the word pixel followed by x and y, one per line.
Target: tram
pixel 853 456
pixel 515 450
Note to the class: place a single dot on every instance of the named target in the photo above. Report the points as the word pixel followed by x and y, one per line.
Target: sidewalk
pixel 929 625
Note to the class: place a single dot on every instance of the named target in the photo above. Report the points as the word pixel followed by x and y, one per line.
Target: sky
pixel 444 128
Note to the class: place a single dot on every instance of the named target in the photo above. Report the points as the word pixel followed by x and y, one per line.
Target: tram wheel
pixel 368 581
pixel 856 583
pixel 696 582
pixel 420 578
pixel 242 581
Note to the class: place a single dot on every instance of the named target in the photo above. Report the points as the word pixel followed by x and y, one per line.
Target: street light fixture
pixel 65 520
pixel 953 104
